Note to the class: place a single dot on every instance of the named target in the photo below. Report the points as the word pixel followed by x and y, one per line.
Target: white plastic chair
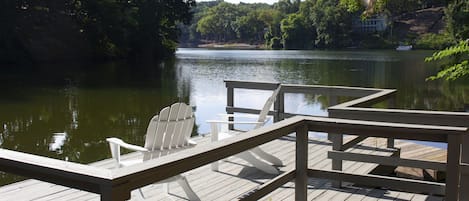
pixel 167 133
pixel 259 162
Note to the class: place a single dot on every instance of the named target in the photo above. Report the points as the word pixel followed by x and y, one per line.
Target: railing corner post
pixel 301 176
pixel 279 107
pixel 229 103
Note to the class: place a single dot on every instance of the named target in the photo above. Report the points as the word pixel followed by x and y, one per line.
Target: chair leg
pixel 141 193
pixel 266 156
pixel 182 181
pixel 166 188
pixel 261 165
pixel 214 166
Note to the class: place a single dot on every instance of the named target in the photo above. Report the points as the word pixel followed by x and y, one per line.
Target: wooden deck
pixel 236 177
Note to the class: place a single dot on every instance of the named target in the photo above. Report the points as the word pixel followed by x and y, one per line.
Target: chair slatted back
pixel 268 104
pixel 170 129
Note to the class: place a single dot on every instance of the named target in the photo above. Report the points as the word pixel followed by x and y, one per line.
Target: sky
pixel 247 1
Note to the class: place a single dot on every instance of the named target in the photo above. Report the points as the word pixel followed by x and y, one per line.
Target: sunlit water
pixel 67 114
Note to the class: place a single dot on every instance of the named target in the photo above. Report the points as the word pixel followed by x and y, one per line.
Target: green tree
pixel 250 27
pixel 218 22
pixel 295 32
pixel 455 58
pixel 457 61
pixel 332 23
pixel 8 41
pixel 272 19
pixel 457 19
pixel 110 28
pixel 287 6
pixel 145 29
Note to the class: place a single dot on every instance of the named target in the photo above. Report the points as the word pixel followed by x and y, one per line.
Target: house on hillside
pixel 373 24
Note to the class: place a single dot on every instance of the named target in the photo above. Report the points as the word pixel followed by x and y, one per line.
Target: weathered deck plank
pixel 236 177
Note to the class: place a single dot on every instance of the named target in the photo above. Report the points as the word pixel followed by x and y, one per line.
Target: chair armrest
pixel 214 126
pixel 254 116
pixel 250 116
pixel 191 142
pixel 123 144
pixel 233 122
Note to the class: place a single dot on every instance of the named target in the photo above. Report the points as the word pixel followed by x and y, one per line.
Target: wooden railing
pixel 116 184
pixel 359 109
pixel 351 111
pixel 365 97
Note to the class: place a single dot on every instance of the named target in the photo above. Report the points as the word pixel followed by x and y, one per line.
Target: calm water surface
pixel 68 115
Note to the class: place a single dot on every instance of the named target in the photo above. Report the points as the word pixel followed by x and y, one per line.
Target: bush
pixel 276 43
pixel 434 41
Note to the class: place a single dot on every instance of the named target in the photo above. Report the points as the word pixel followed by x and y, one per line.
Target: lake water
pixel 68 114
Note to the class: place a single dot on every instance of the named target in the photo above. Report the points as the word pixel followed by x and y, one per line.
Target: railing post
pixel 301 176
pixel 333 100
pixel 453 170
pixel 113 193
pixel 391 104
pixel 230 104
pixel 464 195
pixel 337 142
pixel 279 107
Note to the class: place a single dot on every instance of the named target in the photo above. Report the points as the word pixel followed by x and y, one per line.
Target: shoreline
pixel 231 46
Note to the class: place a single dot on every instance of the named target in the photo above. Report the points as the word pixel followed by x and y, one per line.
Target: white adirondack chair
pixel 167 133
pixel 218 133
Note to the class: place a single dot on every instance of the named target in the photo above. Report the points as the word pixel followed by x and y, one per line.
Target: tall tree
pixel 112 28
pixel 296 34
pixel 219 22
pixel 332 23
pixel 250 27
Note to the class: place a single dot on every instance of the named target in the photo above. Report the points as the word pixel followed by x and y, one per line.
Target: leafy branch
pixel 459 61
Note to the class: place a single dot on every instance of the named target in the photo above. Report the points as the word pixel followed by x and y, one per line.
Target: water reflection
pixel 67 114
pixel 57 141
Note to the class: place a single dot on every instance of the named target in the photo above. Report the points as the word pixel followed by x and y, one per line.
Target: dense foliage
pixel 41 30
pixel 455 58
pixel 458 61
pixel 227 22
pixel 293 24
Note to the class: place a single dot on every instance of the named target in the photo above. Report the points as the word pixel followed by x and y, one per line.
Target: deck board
pixel 235 177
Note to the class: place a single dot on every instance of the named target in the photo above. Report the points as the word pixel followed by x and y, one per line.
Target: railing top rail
pixel 251 84
pixel 292 88
pixel 384 129
pixel 333 87
pixel 66 173
pixel 416 112
pixel 254 84
pixel 366 95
